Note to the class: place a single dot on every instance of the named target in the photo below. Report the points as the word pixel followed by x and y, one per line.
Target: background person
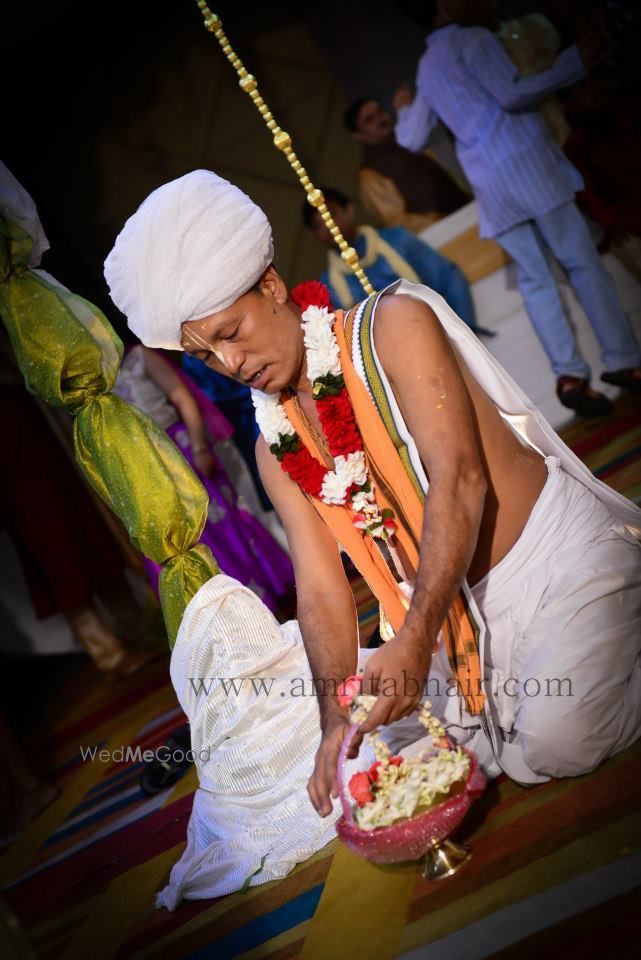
pixel 399 187
pixel 389 254
pixel 524 186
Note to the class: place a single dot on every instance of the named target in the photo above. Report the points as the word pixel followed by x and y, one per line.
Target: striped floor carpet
pixel 555 869
pixel 611 447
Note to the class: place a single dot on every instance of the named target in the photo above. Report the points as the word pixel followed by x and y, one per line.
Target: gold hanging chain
pixel 283 142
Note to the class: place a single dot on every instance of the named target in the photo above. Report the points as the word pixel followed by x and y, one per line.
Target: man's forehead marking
pixel 199 341
pixel 196 337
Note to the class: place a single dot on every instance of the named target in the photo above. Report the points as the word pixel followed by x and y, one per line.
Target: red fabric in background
pixel 605 146
pixel 65 548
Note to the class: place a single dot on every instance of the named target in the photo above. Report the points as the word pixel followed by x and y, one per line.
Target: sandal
pixel 576 394
pixel 623 378
pixel 172 761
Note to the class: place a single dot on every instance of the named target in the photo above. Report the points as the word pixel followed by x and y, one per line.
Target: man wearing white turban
pixel 204 232
pixel 542 559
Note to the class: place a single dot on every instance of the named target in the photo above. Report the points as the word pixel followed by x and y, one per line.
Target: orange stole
pixel 394 489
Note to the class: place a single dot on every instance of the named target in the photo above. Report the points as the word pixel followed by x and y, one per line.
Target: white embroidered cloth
pixel 254 750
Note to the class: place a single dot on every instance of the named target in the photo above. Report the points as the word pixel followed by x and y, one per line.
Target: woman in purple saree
pixel 243 547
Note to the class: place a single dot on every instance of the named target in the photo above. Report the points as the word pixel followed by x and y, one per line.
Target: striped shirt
pixel 466 79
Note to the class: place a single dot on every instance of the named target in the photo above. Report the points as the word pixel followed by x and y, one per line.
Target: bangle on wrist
pixel 198 447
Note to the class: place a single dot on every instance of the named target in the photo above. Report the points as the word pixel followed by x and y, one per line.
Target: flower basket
pixel 423 834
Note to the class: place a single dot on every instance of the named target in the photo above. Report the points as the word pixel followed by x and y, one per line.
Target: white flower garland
pixel 323 352
pixel 323 358
pixel 419 782
pixel 272 420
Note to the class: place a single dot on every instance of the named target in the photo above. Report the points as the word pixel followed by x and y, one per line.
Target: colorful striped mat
pixel 555 869
pixel 611 446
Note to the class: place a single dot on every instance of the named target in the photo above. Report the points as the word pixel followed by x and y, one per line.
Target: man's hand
pixel 204 462
pixel 397 673
pixel 326 615
pixel 324 780
pixel 403 98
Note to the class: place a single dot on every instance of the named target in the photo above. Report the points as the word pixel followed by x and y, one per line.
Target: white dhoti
pixel 562 657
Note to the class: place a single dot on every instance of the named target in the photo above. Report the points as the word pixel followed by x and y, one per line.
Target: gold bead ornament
pixel 283 142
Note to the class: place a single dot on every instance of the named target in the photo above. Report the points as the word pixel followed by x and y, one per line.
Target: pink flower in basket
pixel 348 690
pixel 360 788
pixel 373 770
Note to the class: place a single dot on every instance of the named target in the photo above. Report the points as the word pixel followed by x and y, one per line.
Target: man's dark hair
pixel 330 193
pixel 350 117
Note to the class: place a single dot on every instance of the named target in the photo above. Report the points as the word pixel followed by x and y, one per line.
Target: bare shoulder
pixel 407 330
pixel 403 316
pixel 415 353
pixel 267 462
pixel 405 308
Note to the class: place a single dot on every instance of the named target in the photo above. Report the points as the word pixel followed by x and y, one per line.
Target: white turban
pixel 192 248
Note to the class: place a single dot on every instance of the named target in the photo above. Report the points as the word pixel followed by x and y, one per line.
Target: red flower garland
pixel 311 293
pixel 338 423
pixel 305 470
pixel 335 412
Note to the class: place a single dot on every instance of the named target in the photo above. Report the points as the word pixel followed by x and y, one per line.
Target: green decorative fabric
pixel 69 355
pixel 180 579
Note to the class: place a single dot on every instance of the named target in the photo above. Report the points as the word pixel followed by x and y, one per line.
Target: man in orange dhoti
pixel 501 565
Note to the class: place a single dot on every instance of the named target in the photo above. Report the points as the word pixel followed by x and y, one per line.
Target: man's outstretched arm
pixel 415 118
pixel 436 407
pixel 490 64
pixel 326 615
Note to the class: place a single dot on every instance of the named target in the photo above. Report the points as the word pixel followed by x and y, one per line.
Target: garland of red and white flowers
pixel 349 481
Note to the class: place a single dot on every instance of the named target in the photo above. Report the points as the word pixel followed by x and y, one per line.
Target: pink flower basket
pixel 412 838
